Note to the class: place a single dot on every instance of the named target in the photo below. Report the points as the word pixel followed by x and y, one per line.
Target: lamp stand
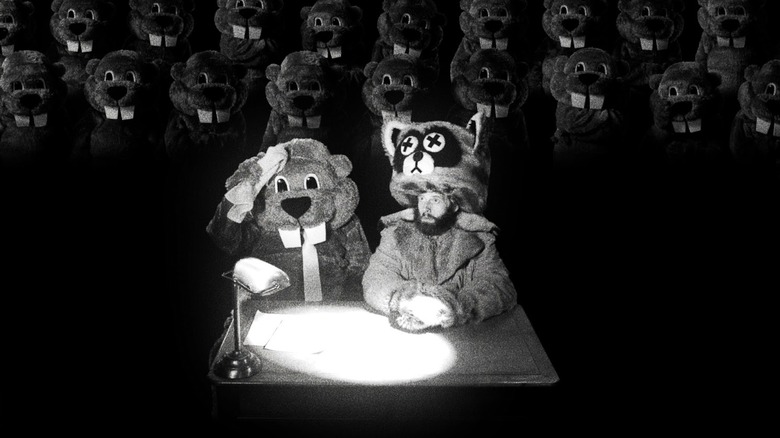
pixel 239 363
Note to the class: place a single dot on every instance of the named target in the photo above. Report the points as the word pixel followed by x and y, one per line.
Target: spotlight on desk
pixel 258 278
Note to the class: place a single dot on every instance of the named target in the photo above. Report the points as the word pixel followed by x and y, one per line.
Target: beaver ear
pixel 92 66
pixel 369 69
pixel 305 12
pixel 522 69
pixel 355 13
pixel 108 11
pixel 750 72
pixel 272 72
pixel 623 6
pixel 655 81
pixel 341 165
pixel 177 71
pixel 55 5
pixel 27 8
pixel 548 4
pixel 465 5
pixel 58 69
pixel 560 63
pixel 622 68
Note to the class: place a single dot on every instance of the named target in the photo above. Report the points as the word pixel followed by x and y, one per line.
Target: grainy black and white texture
pixel 648 290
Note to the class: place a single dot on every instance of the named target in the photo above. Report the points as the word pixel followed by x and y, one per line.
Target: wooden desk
pixel 495 363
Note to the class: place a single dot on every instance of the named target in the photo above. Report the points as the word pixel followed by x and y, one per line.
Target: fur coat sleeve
pixel 461 267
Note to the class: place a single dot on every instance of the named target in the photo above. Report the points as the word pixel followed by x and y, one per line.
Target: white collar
pixel 292 238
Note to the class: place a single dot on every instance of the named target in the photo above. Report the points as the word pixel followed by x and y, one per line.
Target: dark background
pixel 650 300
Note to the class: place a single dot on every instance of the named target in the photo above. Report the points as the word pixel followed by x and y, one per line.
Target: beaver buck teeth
pixel 157 40
pixel 650 44
pixel 569 41
pixel 405 116
pixel 401 50
pixel 493 43
pixel 768 127
pixel 501 111
pixel 80 46
pixel 687 126
pixel 247 33
pixel 329 52
pixel 37 120
pixel 305 122
pixel 737 43
pixel 208 116
pixel 589 101
pixel 119 112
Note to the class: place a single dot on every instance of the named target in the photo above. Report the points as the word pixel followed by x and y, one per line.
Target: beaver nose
pixel 77 28
pixel 681 108
pixel 30 101
pixel 214 93
pixel 247 12
pixel 411 34
pixel 164 21
pixel 116 93
pixel 588 78
pixel 773 106
pixel 493 88
pixel 730 25
pixel 417 156
pixel 570 24
pixel 493 26
pixel 303 102
pixel 654 24
pixel 296 207
pixel 393 97
pixel 323 36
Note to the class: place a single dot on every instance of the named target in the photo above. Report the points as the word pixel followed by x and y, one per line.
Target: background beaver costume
pixel 636 288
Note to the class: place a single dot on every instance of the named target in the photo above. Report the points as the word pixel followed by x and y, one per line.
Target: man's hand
pixel 412 310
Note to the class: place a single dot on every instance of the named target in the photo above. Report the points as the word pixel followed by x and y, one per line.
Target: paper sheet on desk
pixel 301 333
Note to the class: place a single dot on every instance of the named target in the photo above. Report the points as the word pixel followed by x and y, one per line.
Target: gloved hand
pixel 414 308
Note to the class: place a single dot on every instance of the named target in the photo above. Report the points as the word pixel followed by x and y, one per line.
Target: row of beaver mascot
pixel 566 85
pixel 603 74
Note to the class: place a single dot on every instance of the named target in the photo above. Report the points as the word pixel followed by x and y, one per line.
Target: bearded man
pixel 437 266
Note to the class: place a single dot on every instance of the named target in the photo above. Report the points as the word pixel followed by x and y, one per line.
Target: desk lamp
pixel 258 278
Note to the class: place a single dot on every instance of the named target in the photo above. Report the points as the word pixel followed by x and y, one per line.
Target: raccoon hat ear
pixel 391 129
pixel 478 127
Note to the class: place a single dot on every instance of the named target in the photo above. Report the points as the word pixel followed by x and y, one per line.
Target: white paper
pixel 304 333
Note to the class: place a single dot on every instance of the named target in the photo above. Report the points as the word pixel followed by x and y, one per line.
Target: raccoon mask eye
pixel 409 145
pixel 434 142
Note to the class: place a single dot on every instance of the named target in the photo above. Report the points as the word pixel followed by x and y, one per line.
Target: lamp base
pixel 238 364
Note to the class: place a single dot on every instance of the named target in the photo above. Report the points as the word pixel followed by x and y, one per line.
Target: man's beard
pixel 438 226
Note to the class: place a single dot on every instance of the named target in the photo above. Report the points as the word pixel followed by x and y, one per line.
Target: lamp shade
pixel 259 277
